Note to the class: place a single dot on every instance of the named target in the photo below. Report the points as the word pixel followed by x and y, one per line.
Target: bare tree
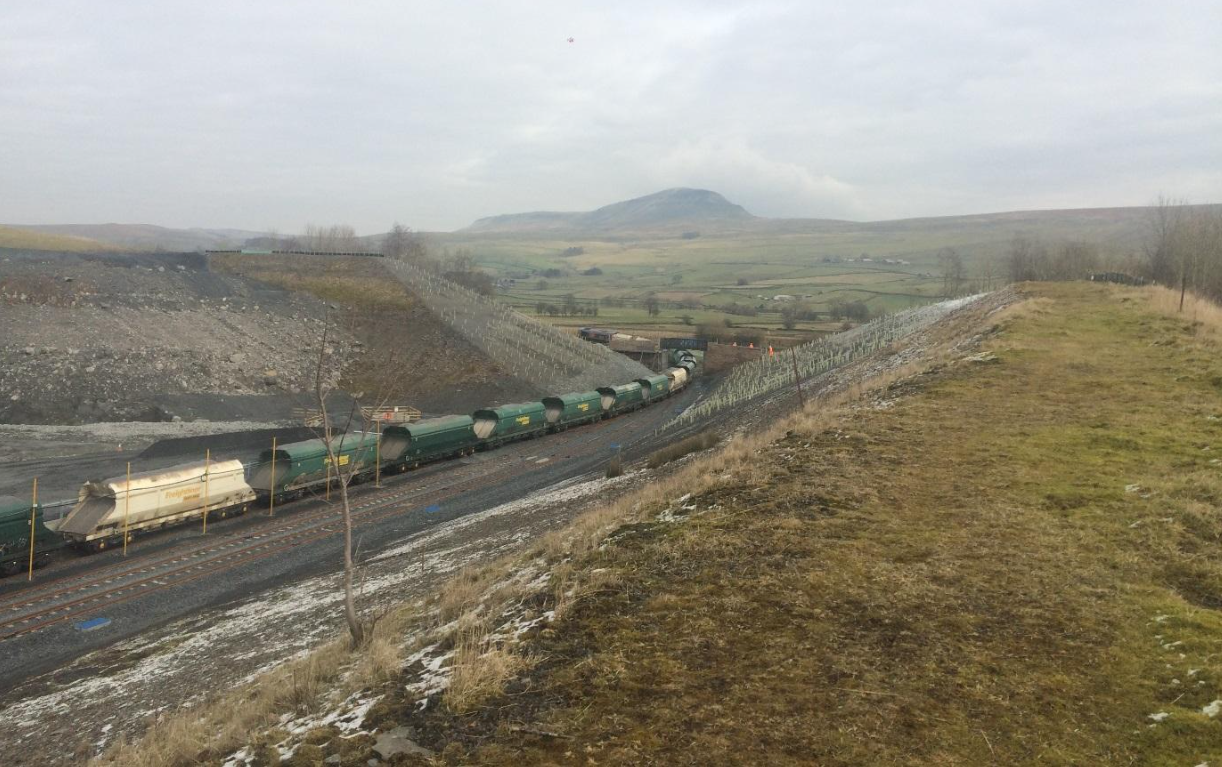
pixel 1184 247
pixel 1201 257
pixel 344 474
pixel 338 238
pixel 953 273
pixel 1026 259
pixel 988 273
pixel 1164 242
pixel 1210 263
pixel 461 261
pixel 347 465
pixel 403 244
pixel 1073 260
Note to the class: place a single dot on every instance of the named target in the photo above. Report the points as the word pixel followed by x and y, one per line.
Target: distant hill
pixel 148 236
pixel 670 209
pixel 28 239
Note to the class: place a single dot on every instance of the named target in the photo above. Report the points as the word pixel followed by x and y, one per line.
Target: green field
pixel 888 266
pixel 26 239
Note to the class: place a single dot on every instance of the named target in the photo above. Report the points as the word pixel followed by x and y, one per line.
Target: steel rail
pixel 381 506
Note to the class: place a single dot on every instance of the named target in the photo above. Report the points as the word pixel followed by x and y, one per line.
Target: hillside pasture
pixel 27 239
pixel 888 266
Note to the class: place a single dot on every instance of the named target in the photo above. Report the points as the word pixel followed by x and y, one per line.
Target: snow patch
pixel 574 489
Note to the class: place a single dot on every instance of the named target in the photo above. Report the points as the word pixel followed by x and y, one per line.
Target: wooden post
pixel 796 380
pixel 33 513
pixel 271 497
pixel 207 495
pixel 127 506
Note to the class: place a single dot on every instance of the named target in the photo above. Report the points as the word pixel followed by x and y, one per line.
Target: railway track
pixel 33 609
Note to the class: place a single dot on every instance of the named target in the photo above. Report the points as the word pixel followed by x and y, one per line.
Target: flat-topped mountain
pixel 670 208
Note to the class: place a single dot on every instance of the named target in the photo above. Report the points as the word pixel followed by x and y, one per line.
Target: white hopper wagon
pixel 156 499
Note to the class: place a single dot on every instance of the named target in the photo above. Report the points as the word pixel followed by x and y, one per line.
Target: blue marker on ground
pixel 93 623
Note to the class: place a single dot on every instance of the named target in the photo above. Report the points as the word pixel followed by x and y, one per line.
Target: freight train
pixel 153 500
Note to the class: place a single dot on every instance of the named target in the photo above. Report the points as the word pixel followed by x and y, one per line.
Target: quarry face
pixel 148 337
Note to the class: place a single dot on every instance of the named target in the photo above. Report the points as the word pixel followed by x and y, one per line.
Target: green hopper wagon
pixel 622 398
pixel 498 425
pixel 15 535
pixel 300 466
pixel 655 387
pixel 572 409
pixel 411 444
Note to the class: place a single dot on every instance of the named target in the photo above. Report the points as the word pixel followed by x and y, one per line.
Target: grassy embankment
pixel 27 239
pixel 1019 561
pixel 360 283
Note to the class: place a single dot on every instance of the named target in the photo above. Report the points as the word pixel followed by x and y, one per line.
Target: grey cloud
pixel 435 113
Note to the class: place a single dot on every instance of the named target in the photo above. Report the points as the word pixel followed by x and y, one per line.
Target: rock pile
pixel 92 338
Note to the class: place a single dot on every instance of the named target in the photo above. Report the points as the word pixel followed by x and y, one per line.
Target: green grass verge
pixel 1017 561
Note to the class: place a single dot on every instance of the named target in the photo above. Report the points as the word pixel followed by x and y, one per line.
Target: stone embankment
pixel 118 337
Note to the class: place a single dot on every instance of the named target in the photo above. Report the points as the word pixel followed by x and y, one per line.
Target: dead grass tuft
pixel 1204 315
pixel 226 723
pixel 677 450
pixel 480 669
pixel 463 593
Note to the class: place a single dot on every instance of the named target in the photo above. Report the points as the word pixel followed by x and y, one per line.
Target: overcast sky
pixel 277 114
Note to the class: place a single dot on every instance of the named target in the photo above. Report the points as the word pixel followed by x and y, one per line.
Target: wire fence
pixel 522 346
pixel 768 375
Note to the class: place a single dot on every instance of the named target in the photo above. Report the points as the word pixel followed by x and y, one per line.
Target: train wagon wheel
pixel 42 560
